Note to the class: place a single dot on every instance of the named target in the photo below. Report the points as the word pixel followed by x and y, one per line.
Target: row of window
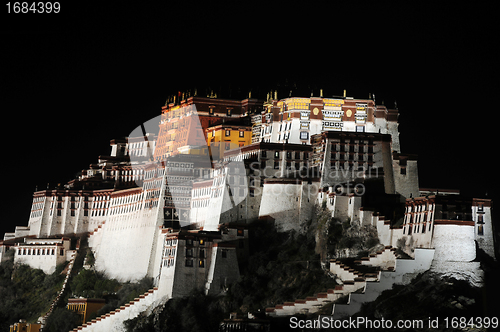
pixel 38 252
pixel 201 262
pixel 168 262
pixel 200 203
pixel 201 192
pixel 420 208
pixel 289 154
pixel 416 228
pixel 170 242
pixel 190 263
pixel 190 251
pixel 169 251
pixel 350 156
pixel 95 212
pixel 152 184
pixel 228 133
pixel 417 218
pixel 352 148
pixel 191 242
pixel 211 111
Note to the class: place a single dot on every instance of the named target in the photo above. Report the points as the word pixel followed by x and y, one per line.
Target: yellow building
pixel 85 307
pixel 22 326
pixel 227 136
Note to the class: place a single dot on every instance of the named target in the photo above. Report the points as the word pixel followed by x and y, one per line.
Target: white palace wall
pixel 454 243
pixel 455 251
pixel 280 200
pixel 127 244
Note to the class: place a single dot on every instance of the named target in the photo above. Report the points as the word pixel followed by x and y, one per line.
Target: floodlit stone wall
pixel 280 200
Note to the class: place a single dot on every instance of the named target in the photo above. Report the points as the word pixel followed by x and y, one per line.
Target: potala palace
pixel 173 201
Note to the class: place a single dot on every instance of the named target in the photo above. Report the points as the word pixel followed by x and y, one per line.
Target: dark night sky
pixel 72 81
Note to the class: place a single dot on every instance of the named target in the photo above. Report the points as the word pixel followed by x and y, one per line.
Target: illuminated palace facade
pixel 173 203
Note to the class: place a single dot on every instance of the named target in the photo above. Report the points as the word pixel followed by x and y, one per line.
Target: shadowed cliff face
pixel 335 239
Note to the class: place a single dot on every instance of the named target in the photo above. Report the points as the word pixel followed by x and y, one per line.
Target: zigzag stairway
pixel 361 281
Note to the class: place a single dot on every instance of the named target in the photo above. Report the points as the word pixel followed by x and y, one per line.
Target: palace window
pixel 189 263
pixel 228 132
pixel 224 253
pixel 276 154
pixel 201 263
pixel 242 133
pixel 480 230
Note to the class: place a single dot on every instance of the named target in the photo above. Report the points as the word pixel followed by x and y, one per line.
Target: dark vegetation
pixel 26 293
pixel 197 312
pixel 281 267
pixel 92 284
pixel 62 320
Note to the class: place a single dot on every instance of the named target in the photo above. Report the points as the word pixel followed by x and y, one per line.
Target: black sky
pixel 72 81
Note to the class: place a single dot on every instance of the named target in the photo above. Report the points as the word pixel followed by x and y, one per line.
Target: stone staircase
pixel 314 303
pixel 352 281
pixel 386 259
pixel 359 287
pixel 113 321
pixel 60 295
pixel 399 271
